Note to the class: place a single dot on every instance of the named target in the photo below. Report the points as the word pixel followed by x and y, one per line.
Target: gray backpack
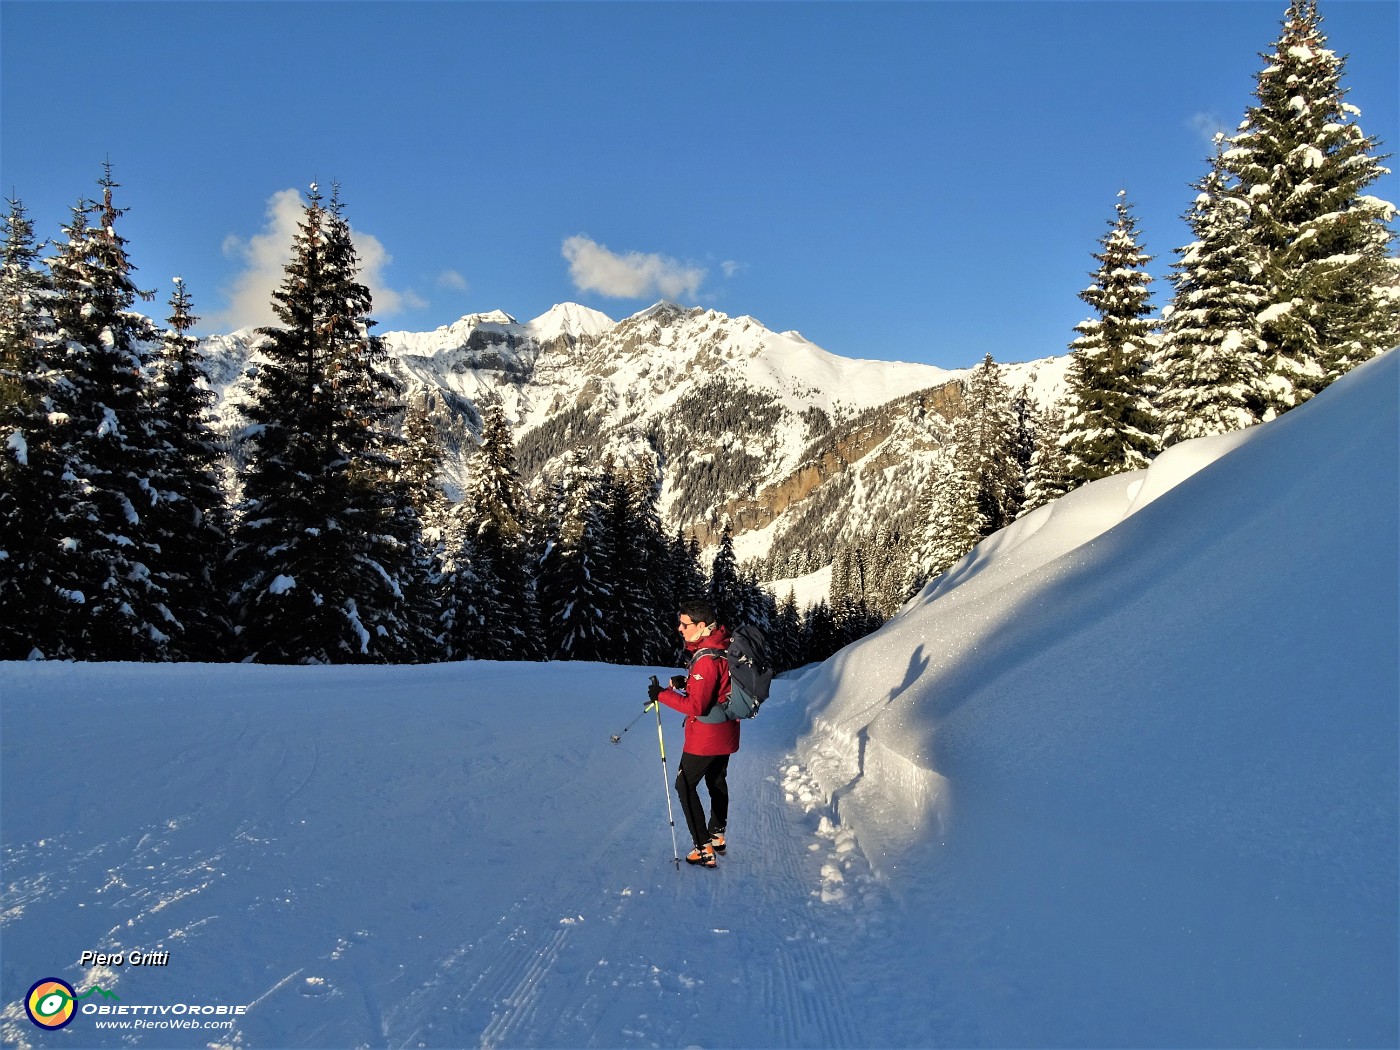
pixel 750 674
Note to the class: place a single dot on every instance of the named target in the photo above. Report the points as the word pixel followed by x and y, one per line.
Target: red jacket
pixel 708 682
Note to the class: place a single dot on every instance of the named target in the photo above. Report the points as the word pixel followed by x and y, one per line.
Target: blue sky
pixel 908 181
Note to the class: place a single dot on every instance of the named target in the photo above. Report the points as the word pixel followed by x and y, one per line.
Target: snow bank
pixel 1138 752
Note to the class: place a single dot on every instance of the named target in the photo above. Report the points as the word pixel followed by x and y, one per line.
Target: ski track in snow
pixel 563 968
pixel 286 864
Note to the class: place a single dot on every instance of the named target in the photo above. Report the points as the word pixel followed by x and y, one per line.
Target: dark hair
pixel 700 610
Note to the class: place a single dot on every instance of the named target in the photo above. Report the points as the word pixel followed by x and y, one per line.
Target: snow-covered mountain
pixel 787 441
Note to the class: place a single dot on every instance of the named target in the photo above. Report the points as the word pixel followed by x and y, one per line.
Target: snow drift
pixel 1138 752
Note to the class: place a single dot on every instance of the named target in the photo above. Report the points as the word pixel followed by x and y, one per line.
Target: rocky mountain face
pixel 795 447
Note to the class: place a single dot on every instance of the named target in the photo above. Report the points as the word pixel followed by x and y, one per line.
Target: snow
pixel 782 363
pixel 787 364
pixel 569 319
pixel 17 445
pixel 281 585
pixel 110 425
pixel 564 319
pixel 1125 776
pixel 1141 752
pixel 449 855
pixel 806 590
pixel 1386 210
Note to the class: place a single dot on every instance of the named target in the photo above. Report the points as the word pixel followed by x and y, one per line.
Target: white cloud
pixel 452 279
pixel 633 275
pixel 374 259
pixel 265 256
pixel 729 267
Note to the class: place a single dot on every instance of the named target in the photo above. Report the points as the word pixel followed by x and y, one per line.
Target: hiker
pixel 708 745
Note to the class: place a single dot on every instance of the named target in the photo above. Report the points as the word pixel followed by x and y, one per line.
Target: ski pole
pixel 618 736
pixel 666 781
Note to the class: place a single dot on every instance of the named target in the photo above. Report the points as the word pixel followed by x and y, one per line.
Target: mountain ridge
pixel 746 425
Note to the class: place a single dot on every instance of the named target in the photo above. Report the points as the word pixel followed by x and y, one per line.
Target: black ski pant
pixel 713 770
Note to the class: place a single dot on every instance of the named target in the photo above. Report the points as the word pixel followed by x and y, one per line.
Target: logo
pixel 50 1003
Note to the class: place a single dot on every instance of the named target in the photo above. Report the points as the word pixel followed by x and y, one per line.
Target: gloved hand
pixel 678 681
pixel 653 691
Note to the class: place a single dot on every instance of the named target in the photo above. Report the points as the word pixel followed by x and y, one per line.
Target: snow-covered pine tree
pixel 1047 475
pixel 113 577
pixel 724 578
pixel 892 559
pixel 420 470
pixel 840 589
pixel 1211 366
pixel 986 440
pixel 948 509
pixel 654 587
pixel 548 496
pixel 24 322
pixel 701 575
pixel 1024 438
pixel 798 563
pixel 877 556
pixel 574 596
pixel 31 473
pixel 850 599
pixel 820 638
pixel 398 574
pixel 625 573
pixel 977 487
pixel 1332 299
pixel 492 517
pixel 685 566
pixel 460 584
pixel 785 635
pixel 684 579
pixel 1111 427
pixel 326 564
pixel 190 520
pixel 755 605
pixel 421 465
pixel 399 554
pixel 470 622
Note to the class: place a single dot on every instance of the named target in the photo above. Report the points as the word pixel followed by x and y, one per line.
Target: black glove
pixel 653 691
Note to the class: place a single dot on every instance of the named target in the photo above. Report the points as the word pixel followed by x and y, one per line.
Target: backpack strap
pixel 706 652
pixel 719 700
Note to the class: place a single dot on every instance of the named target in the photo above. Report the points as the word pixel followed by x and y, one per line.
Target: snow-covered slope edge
pixel 1171 736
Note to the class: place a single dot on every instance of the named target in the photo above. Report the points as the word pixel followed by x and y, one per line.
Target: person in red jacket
pixel 708 745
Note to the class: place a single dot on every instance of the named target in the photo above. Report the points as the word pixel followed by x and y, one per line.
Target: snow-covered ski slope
pixel 1127 776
